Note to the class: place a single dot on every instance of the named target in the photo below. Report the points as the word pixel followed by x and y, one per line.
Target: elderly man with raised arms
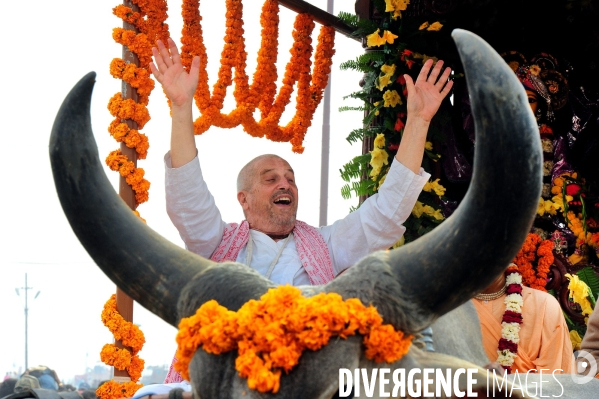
pixel 270 239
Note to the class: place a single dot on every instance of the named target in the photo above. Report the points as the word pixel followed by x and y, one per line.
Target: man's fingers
pixel 443 79
pixel 166 56
pixel 155 72
pixel 162 67
pixel 409 84
pixel 195 66
pixel 447 88
pixel 174 51
pixel 422 76
pixel 435 72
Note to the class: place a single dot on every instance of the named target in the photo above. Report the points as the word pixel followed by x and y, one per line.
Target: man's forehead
pixel 269 165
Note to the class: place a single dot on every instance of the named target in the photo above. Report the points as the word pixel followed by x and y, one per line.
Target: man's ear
pixel 242 197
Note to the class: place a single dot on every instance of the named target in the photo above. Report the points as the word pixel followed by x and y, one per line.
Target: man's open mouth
pixel 283 200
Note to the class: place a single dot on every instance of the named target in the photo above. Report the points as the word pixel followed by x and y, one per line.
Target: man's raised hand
pixel 178 85
pixel 425 96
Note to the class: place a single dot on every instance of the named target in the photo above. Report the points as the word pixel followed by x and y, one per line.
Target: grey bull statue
pixel 411 286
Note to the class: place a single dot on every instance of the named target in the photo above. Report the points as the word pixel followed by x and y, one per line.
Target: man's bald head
pixel 248 174
pixel 267 193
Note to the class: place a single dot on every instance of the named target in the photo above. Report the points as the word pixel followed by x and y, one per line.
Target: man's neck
pixel 278 237
pixel 276 233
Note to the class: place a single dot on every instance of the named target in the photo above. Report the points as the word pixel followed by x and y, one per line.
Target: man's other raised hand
pixel 168 70
pixel 429 90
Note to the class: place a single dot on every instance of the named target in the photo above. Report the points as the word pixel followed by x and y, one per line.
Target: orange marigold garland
pixel 261 93
pixel 131 336
pixel 150 22
pixel 541 251
pixel 271 334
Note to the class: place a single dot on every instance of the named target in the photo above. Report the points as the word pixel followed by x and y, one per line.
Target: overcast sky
pixel 49 46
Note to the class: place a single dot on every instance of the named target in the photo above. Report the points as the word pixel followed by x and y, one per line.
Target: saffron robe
pixel 544 337
pixel 590 342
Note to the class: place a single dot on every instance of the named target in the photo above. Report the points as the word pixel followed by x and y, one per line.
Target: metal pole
pixel 124 303
pixel 326 139
pixel 322 17
pixel 26 315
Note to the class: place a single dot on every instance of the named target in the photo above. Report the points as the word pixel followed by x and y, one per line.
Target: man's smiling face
pixel 271 199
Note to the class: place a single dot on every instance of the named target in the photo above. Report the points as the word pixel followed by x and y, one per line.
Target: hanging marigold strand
pixel 123 359
pixel 535 249
pixel 150 21
pixel 261 93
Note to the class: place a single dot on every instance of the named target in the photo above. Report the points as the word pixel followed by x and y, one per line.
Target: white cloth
pixel 161 389
pixel 376 225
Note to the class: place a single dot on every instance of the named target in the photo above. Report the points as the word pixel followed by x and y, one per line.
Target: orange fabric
pixel 544 337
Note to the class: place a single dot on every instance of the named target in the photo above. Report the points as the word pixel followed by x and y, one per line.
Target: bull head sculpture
pixel 410 286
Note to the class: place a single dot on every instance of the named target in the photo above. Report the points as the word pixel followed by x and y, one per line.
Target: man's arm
pixel 424 98
pixel 180 87
pixel 378 223
pixel 189 204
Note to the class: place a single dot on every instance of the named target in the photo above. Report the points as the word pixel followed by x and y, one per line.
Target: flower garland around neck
pixel 270 334
pixel 541 251
pixel 507 350
pixel 130 336
pixel 149 21
pixel 262 92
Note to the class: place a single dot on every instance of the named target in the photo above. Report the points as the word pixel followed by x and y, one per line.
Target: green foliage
pixel 590 278
pixel 367 62
pixel 363 27
pixel 407 53
pixel 356 168
pixel 348 108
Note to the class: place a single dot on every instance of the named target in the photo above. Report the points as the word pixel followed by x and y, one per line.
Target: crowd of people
pixel 43 377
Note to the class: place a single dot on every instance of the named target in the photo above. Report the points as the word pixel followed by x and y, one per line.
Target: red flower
pixel 409 63
pixel 573 189
pixel 400 124
pixel 401 80
pixel 512 317
pixel 509 345
pixel 393 147
pixel 406 52
pixel 514 289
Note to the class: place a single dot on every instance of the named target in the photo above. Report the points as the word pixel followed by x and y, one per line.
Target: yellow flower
pixel 434 186
pixel 435 27
pixel 379 141
pixel 396 6
pixel 418 209
pixel 376 104
pixel 383 82
pixel 428 146
pixel 399 243
pixel 391 98
pixel 575 258
pixel 389 37
pixel 388 69
pixel 576 340
pixel 424 26
pixel 579 293
pixel 379 158
pixel 438 215
pixel 375 40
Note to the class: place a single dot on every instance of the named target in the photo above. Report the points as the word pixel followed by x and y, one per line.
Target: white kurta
pixel 376 225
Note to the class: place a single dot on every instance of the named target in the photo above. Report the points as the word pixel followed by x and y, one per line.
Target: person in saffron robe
pixel 590 342
pixel 270 239
pixel 544 340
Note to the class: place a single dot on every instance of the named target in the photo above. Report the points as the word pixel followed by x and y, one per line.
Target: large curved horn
pixel 143 264
pixel 462 256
